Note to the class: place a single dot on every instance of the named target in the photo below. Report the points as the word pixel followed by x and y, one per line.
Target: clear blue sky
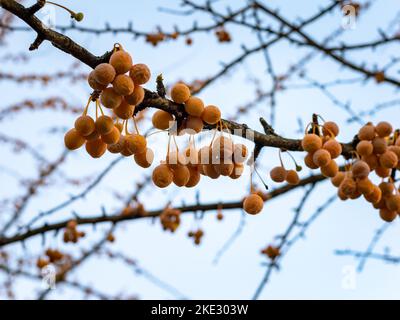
pixel 310 269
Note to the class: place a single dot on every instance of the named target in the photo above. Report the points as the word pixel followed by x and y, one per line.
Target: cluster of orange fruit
pixel 118 86
pixel 170 219
pixel 378 150
pixel 197 235
pixel 271 252
pixel 52 256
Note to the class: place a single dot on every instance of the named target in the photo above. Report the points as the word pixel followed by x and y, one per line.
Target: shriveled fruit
pixel 123 85
pixel 124 110
pixel 388 160
pixel 194 124
pixel 278 174
pixel 162 120
pixel 110 99
pixel 365 186
pixel 330 128
pixel 330 170
pixel 387 215
pixel 309 162
pixel 365 148
pixel 180 93
pixel 73 140
pixel 96 148
pixel 104 73
pixel 338 178
pixel 333 147
pixel 237 170
pixel 194 106
pixel 194 177
pixel 121 61
pixel 367 132
pixel 111 137
pixel 104 124
pixel 136 97
pixel 140 73
pixel 383 129
pixel 94 84
pixel 135 143
pixel 162 176
pixel 379 145
pixel 253 204
pixel 321 157
pixel 84 125
pixel 181 175
pixel 144 159
pixel 211 114
pixel 311 142
pixel 292 177
pixel 360 169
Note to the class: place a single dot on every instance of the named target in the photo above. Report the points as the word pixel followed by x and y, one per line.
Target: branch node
pixel 35 45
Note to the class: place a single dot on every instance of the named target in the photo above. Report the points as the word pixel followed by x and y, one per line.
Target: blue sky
pixel 310 269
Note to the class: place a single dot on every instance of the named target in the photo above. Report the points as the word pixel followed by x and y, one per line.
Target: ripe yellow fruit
pixel 330 128
pixel 118 146
pixel 194 125
pixel 110 99
pixel 330 170
pixel 333 147
pixel 278 174
pixel 311 143
pixel 104 124
pixel 140 73
pixel 211 114
pixel 371 160
pixel 375 196
pixel 388 160
pixel 123 85
pixel 96 148
pixel 309 162
pixel 84 125
pixel 162 176
pixel 180 93
pixel 112 137
pixel 237 170
pixel 181 175
pixel 136 97
pixel 367 132
pixel 124 110
pixel 383 129
pixel 135 143
pixel 393 202
pixel 240 153
pixel 380 145
pixel 387 188
pixel 121 61
pixel 73 140
pixel 194 106
pixel 382 172
pixel 360 170
pixel 253 204
pixel 94 84
pixel 162 120
pixel 387 215
pixel 104 73
pixel 365 148
pixel 338 178
pixel 292 177
pixel 144 159
pixel 321 157
pixel 194 177
pixel 365 186
pixel 222 148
